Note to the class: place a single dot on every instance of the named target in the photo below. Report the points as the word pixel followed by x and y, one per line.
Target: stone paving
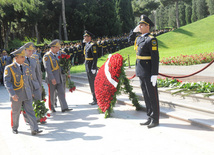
pixel 85 131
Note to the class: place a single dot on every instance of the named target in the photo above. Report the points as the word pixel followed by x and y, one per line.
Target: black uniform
pixel 147 64
pixel 90 51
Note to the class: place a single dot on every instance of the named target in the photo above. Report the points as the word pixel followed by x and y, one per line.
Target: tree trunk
pixel 177 14
pixel 37 33
pixel 64 20
pixel 1 36
pixel 8 28
pixel 60 27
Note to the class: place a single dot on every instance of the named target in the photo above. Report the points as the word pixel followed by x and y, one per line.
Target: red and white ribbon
pixel 108 74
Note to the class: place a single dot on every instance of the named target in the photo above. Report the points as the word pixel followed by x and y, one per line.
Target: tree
pixel 201 9
pixel 194 14
pixel 182 9
pixel 144 7
pixel 125 14
pixel 210 4
pixel 169 2
pixel 188 12
pixel 64 20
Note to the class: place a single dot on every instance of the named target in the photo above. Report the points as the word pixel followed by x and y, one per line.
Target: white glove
pixel 154 80
pixel 137 29
pixel 93 71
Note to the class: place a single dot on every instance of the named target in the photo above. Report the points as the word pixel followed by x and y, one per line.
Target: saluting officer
pixel 147 65
pixel 90 52
pixel 18 83
pixel 54 77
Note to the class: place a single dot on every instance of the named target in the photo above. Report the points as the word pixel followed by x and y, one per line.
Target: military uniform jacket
pixel 147 46
pixel 53 70
pixel 91 53
pixel 16 83
pixel 5 62
pixel 35 73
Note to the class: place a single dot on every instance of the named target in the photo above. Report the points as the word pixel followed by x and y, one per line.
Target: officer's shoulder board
pixel 151 36
pixel 25 64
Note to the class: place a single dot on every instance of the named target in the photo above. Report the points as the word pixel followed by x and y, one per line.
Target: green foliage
pixel 188 12
pixel 210 4
pixel 40 109
pixel 15 43
pixel 194 13
pixel 123 86
pixel 187 88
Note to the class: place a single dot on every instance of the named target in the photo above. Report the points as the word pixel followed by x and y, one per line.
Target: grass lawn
pixel 194 38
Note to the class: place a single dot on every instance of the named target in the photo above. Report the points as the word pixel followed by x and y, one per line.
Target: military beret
pixel 20 51
pixel 144 19
pixel 29 46
pixel 55 43
pixel 87 33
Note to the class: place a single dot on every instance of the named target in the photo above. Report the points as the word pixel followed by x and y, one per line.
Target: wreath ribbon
pixel 108 74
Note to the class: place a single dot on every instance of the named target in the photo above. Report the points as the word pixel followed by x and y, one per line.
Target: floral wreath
pixel 109 82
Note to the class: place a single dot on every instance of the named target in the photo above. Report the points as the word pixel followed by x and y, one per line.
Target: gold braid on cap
pixel 30 47
pixel 22 53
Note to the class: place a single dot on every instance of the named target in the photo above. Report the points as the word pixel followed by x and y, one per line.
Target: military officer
pixel 147 65
pixel 90 62
pixel 33 61
pixel 18 83
pixel 4 60
pixel 54 77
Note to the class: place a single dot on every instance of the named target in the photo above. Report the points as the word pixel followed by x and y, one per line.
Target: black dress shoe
pixel 147 122
pixel 153 124
pixel 36 132
pixel 15 131
pixel 93 103
pixel 66 110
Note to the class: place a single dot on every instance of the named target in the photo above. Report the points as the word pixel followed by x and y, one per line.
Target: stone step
pixel 171 110
pixel 194 109
pixel 193 102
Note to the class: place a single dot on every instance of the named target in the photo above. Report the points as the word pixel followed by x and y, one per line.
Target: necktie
pixel 28 60
pixel 21 69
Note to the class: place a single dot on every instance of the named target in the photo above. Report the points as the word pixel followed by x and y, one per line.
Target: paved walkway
pixel 85 131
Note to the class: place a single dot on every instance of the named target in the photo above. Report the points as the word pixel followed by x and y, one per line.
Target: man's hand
pixel 15 98
pixel 137 29
pixel 53 82
pixel 69 76
pixel 93 71
pixel 154 80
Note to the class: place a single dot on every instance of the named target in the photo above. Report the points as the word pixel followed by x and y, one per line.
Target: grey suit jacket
pixel 53 70
pixel 35 72
pixel 15 85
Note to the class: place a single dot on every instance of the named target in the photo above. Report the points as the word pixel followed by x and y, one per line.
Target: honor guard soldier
pixel 54 77
pixel 147 65
pixel 18 83
pixel 4 60
pixel 90 52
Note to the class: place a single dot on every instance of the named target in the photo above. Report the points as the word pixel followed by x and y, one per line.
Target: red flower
pixel 73 88
pixel 45 100
pixel 104 90
pixel 48 114
pixel 41 120
pixel 59 57
pixel 63 56
pixel 67 56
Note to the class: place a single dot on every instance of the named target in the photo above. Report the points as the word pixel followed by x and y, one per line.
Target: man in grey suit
pixel 54 77
pixel 4 60
pixel 18 83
